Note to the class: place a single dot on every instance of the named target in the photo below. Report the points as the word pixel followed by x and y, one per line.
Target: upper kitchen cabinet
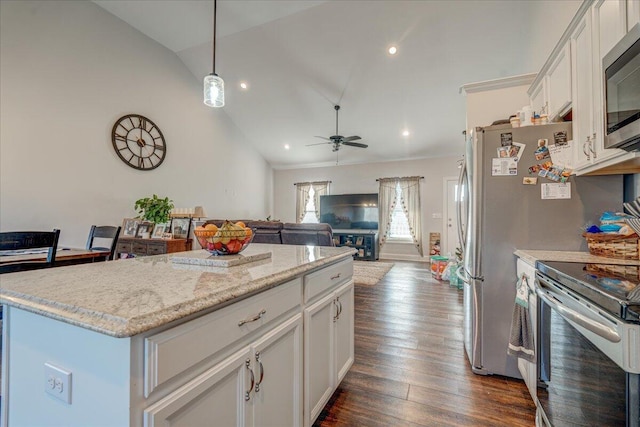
pixel 573 80
pixel 538 95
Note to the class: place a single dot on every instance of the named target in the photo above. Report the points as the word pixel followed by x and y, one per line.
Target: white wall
pixel 362 179
pixel 68 71
pixel 485 107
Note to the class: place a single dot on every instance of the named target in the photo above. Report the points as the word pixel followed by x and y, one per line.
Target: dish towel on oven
pixel 521 337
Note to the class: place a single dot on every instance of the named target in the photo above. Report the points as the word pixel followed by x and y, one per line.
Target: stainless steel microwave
pixel 621 68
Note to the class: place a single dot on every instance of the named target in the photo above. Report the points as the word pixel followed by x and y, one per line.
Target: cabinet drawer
pixel 123 247
pixel 315 284
pixel 139 248
pixel 175 350
pixel 155 249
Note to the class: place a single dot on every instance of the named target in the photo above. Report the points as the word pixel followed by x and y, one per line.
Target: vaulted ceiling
pixel 299 58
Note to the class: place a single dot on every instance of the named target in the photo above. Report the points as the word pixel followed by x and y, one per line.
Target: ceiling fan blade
pixel 318 143
pixel 355 144
pixel 322 137
pixel 351 138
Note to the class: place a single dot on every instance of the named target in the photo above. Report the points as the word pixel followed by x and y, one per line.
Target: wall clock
pixel 138 142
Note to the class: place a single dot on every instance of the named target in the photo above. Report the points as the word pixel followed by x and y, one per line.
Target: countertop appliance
pixel 588 346
pixel 501 214
pixel 621 70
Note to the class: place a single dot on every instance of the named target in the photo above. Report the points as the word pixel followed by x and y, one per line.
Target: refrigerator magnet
pixel 504 167
pixel 542 152
pixel 506 139
pixel 529 180
pixel 555 191
pixel 560 138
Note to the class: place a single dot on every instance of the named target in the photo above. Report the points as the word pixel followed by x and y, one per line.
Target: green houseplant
pixel 154 209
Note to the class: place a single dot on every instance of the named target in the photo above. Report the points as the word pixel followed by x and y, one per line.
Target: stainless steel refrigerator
pixel 499 214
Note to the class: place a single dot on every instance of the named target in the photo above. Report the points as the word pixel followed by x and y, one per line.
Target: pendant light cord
pixel 215 7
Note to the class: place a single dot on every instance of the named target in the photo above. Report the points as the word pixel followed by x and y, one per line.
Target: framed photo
pixel 159 231
pixel 359 241
pixel 144 230
pixel 180 227
pixel 129 227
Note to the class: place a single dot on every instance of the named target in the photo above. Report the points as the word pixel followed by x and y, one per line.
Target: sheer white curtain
pixel 386 204
pixel 303 189
pixel 410 187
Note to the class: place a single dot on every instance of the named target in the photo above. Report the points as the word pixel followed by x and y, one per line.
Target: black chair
pixel 25 240
pixel 104 232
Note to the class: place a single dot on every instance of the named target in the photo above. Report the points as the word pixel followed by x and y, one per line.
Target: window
pixel 399 228
pixel 310 209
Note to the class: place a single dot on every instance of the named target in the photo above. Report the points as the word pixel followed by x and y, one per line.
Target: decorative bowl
pixel 224 242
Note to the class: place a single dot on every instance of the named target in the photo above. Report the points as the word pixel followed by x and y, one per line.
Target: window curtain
pixel 387 200
pixel 411 205
pixel 321 189
pixel 386 204
pixel 303 189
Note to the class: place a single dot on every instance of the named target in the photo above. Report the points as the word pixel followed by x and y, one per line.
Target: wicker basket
pixel 629 272
pixel 613 245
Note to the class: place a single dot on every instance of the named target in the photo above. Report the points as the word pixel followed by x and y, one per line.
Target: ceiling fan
pixel 338 140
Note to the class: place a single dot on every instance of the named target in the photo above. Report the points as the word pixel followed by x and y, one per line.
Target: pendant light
pixel 213 84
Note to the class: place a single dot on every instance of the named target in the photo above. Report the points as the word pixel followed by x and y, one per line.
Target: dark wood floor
pixel 410 367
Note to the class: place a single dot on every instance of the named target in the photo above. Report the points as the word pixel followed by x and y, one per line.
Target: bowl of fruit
pixel 228 239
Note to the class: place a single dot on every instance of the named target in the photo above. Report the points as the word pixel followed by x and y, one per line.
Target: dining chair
pixel 103 232
pixel 29 240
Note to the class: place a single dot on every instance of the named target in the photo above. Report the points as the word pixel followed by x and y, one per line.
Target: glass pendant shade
pixel 213 91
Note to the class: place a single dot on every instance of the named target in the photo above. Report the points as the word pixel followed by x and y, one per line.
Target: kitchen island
pixel 178 340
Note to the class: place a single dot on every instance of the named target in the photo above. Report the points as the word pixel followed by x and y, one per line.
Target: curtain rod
pixel 314 182
pixel 404 177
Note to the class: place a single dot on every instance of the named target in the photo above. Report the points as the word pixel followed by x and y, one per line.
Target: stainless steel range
pixel 588 347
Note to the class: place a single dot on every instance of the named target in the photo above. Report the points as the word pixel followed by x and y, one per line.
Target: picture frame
pixel 129 227
pixel 159 231
pixel 180 227
pixel 144 228
pixel 359 240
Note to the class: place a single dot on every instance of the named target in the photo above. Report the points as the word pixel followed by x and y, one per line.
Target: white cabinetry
pixel 559 84
pixel 633 13
pixel 329 338
pixel 582 79
pixel 538 97
pixel 528 369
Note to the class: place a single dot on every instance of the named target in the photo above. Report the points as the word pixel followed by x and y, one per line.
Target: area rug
pixel 369 273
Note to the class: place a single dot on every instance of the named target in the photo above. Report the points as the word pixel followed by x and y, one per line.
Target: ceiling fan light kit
pixel 213 84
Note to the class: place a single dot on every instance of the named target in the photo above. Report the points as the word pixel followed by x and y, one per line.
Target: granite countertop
pixel 126 297
pixel 531 256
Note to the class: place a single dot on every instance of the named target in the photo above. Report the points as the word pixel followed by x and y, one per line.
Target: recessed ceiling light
pixel 286 146
pixel 405 133
pixel 393 50
pixel 244 85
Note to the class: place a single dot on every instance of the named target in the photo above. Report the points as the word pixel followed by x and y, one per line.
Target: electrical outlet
pixel 57 382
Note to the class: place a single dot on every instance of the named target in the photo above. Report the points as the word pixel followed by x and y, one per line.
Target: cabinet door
pixel 609 26
pixel 318 356
pixel 538 98
pixel 582 92
pixel 277 358
pixel 344 324
pixel 526 368
pixel 633 13
pixel 559 83
pixel 218 394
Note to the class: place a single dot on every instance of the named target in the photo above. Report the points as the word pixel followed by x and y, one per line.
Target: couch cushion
pixel 299 237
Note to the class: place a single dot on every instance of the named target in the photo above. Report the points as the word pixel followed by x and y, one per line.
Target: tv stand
pixel 364 241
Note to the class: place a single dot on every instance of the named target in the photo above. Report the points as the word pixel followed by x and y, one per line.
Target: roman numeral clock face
pixel 138 142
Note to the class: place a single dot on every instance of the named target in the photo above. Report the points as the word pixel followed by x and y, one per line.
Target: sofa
pixel 286 233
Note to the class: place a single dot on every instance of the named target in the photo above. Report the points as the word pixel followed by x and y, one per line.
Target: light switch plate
pixel 57 382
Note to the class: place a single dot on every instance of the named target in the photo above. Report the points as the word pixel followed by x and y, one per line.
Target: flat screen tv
pixel 350 211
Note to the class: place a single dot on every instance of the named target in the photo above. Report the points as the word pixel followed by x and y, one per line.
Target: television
pixel 350 211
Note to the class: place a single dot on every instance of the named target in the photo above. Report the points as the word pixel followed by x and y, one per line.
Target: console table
pixel 141 247
pixel 365 242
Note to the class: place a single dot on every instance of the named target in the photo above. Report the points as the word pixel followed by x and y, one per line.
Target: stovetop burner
pixel 615 288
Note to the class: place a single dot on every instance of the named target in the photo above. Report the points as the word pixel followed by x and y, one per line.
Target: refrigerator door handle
pixel 461 182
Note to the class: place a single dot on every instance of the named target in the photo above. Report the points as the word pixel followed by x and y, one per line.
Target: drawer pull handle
pixel 261 371
pixel 247 394
pixel 337 276
pixel 254 318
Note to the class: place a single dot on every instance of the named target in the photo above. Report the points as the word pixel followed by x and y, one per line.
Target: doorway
pixel 450 226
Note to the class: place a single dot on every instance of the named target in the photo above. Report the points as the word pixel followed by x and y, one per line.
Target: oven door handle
pixel 590 324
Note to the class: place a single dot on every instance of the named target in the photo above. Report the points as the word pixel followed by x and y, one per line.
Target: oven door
pixel 578 384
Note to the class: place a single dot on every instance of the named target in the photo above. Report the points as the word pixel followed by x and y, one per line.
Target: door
pixel 318 355
pixel 452 194
pixel 344 330
pixel 218 394
pixel 277 365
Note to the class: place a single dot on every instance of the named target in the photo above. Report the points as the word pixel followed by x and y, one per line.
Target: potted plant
pixel 154 209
